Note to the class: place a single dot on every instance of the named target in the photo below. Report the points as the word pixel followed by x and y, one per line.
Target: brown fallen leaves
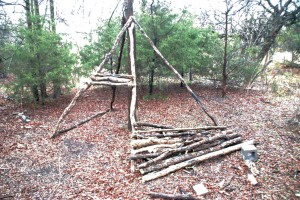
pixel 91 162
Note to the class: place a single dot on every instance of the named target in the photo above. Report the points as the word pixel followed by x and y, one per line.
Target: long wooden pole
pixel 197 99
pixel 81 122
pixel 113 49
pixel 133 73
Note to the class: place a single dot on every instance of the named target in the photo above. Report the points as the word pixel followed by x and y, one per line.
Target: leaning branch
pixel 197 99
pixel 99 114
pixel 113 49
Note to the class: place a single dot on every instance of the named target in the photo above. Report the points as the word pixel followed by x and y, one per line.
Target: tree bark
pixel 192 162
pixel 133 102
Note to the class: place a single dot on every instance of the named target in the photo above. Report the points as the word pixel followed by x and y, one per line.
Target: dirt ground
pixel 91 162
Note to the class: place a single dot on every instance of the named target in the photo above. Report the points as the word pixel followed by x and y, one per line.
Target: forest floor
pixel 91 161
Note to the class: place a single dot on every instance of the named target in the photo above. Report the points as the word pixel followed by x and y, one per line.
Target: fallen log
pixel 107 83
pixel 156 195
pixel 143 156
pixel 191 162
pixel 127 76
pixel 111 79
pixel 139 143
pixel 140 124
pixel 156 148
pixel 99 114
pixel 183 129
pixel 178 159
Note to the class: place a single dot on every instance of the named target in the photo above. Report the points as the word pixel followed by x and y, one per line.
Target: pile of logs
pixel 162 151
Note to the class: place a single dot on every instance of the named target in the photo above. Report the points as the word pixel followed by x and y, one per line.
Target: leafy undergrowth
pixel 91 162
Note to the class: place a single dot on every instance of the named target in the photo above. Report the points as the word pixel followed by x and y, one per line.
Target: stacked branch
pixel 166 148
pixel 112 80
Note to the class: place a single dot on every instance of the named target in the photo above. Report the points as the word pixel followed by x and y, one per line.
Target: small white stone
pixel 200 189
pixel 252 179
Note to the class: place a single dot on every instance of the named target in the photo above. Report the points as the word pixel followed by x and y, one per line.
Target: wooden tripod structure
pixel 129 80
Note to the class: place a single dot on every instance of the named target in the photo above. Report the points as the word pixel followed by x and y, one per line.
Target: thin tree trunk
pixel 34 88
pixel 190 75
pixel 52 15
pixel 182 74
pixel 224 73
pixel 56 83
pixel 151 80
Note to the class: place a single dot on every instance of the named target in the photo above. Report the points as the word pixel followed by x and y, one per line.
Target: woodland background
pixel 229 56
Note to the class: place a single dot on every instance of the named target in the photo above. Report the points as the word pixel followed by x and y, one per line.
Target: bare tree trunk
pixel 56 84
pixel 224 73
pixel 151 80
pixel 28 10
pixel 52 15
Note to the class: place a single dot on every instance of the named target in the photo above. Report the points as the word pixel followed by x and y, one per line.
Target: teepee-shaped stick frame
pixel 129 80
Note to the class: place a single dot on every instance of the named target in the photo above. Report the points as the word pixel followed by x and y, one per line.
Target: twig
pixel 156 195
